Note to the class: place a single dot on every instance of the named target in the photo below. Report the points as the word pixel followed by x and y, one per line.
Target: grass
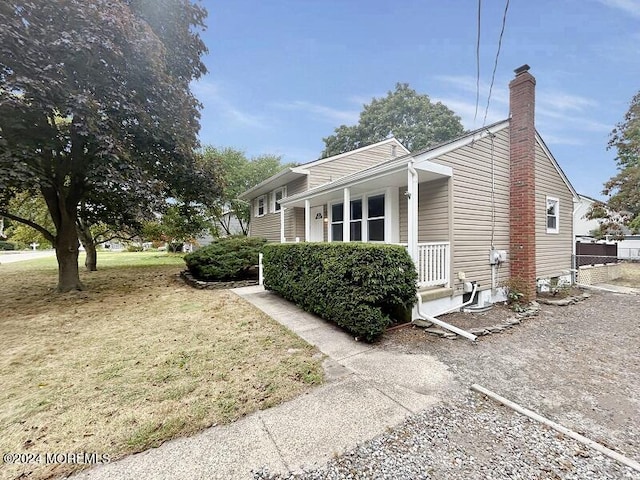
pixel 630 275
pixel 136 359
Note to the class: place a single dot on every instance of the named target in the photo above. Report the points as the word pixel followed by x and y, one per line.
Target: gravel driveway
pixel 577 365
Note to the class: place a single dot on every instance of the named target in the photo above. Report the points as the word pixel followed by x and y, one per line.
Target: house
pixel 479 209
pixel 583 226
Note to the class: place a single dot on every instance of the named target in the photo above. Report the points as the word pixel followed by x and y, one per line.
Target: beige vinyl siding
pixel 472 207
pixel 299 223
pixel 268 226
pixel 338 168
pixel 553 250
pixel 433 212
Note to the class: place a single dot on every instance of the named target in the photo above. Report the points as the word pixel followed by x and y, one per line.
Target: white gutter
pixel 446 325
pixel 556 426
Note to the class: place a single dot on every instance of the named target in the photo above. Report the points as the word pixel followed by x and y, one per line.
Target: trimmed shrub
pixel 7 245
pixel 226 259
pixel 357 286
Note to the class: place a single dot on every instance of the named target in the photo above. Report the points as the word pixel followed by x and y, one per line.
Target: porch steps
pixel 434 293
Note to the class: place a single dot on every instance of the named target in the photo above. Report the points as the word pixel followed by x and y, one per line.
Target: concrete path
pixel 11 257
pixel 367 391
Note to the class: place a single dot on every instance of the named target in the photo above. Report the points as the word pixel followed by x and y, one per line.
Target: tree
pixel 410 117
pixel 34 209
pixel 238 174
pixel 622 208
pixel 117 73
pixel 180 224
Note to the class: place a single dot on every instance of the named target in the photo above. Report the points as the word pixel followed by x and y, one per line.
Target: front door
pixel 317 224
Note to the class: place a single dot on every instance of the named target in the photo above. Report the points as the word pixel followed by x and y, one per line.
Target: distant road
pixel 10 257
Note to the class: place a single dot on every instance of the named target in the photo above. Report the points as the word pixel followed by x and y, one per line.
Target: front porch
pixel 408 205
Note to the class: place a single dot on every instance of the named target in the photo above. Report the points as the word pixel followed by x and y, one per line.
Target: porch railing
pixel 433 264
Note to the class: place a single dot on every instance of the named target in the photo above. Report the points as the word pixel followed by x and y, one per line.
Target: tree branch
pixel 46 233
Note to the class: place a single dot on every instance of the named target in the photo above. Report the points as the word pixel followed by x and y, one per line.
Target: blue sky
pixel 283 74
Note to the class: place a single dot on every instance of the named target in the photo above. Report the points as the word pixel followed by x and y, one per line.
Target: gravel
pixel 577 365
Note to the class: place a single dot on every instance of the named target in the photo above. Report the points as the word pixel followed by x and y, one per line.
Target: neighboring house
pixel 582 226
pixel 483 207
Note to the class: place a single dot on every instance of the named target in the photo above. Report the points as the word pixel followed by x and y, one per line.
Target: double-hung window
pixel 337 220
pixel 276 196
pixel 260 206
pixel 553 217
pixel 366 222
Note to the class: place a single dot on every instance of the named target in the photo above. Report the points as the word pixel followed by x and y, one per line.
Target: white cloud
pixel 332 115
pixel 466 111
pixel 562 140
pixel 629 6
pixel 211 94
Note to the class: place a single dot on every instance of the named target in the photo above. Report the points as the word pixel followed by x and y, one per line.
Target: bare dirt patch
pixel 630 275
pixel 577 365
pixel 135 360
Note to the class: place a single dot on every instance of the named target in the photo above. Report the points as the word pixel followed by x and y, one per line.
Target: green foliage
pixel 515 288
pixel 134 248
pixel 357 286
pixel 622 208
pixel 225 259
pixel 410 117
pixel 237 174
pixel 95 106
pixel 32 208
pixel 7 245
pixel 179 224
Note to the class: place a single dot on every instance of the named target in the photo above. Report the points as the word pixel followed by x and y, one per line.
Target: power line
pixel 495 64
pixel 478 63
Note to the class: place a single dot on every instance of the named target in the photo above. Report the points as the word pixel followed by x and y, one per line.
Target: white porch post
pixel 346 209
pixel 307 220
pixel 412 213
pixel 391 216
pixel 282 238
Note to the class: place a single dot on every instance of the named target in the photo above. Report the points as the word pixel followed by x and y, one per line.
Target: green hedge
pixel 357 286
pixel 7 245
pixel 225 259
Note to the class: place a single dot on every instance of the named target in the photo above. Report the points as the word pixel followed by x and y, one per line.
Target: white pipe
pixel 454 329
pixel 459 307
pixel 564 430
pixel 260 269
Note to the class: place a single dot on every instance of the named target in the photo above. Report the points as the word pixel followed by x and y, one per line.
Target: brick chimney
pixel 522 150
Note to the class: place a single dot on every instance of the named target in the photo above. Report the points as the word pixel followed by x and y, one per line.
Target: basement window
pixel 553 205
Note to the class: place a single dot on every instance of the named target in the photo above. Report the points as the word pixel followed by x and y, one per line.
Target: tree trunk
pixel 67 254
pixel 91 262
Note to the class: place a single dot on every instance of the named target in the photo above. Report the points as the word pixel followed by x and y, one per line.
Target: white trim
pixel 557 214
pixel 282 237
pixel 277 203
pixel 320 161
pixel 264 206
pixel 346 215
pixel 364 230
pixel 307 220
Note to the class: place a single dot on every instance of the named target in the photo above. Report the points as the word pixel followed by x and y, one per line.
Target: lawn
pixel 136 359
pixel 630 275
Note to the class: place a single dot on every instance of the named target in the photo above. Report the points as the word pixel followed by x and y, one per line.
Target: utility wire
pixel 478 63
pixel 495 65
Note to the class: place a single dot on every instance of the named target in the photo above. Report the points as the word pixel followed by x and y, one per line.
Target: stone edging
pixel 532 310
pixel 200 284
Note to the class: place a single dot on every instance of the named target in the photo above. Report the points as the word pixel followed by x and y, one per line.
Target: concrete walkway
pixel 367 391
pixel 19 256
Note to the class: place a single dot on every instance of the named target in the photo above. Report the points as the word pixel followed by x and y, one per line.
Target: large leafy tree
pixel 410 117
pixel 622 208
pixel 95 100
pixel 238 174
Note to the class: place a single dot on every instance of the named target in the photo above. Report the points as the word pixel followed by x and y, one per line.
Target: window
pixel 366 222
pixel 375 218
pixel 356 221
pixel 276 196
pixel 260 206
pixel 553 205
pixel 337 220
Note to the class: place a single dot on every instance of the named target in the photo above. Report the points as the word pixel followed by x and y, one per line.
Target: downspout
pixel 446 325
pixel 412 212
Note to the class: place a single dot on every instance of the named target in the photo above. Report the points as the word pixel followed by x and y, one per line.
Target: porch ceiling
pixel 396 178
